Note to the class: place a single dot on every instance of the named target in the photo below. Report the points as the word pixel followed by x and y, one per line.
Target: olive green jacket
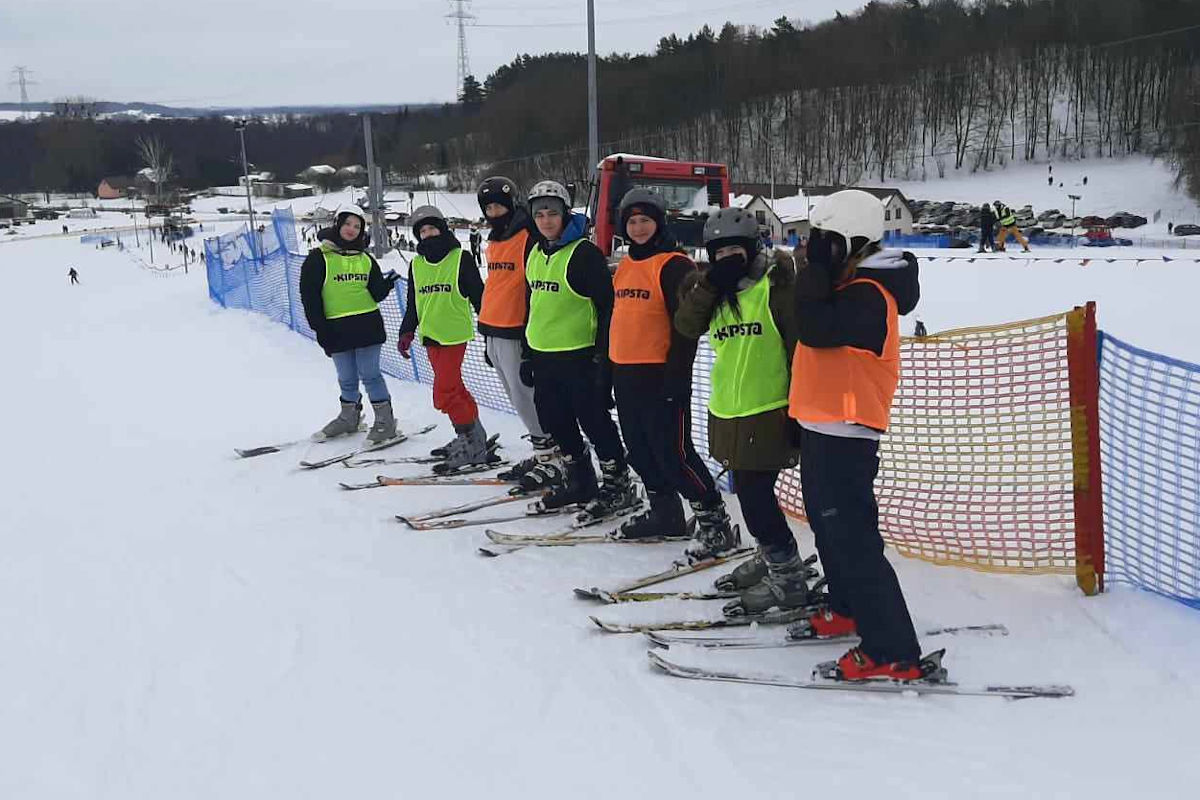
pixel 763 442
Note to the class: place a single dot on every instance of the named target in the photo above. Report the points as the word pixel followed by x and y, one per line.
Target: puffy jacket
pixel 345 333
pixel 764 442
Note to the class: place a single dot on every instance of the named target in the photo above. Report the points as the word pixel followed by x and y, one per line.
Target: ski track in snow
pixel 180 623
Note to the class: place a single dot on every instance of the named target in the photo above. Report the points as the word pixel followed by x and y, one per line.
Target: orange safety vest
pixel 848 384
pixel 504 291
pixel 640 330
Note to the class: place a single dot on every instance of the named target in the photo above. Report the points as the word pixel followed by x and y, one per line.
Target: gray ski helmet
pixel 427 214
pixel 499 189
pixel 648 201
pixel 731 226
pixel 547 189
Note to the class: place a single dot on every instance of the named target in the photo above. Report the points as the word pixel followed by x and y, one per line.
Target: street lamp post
pixel 1073 197
pixel 593 110
pixel 240 127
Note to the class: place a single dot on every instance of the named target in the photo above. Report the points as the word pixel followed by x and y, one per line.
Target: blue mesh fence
pixel 1150 450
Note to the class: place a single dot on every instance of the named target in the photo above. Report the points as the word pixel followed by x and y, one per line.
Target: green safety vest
pixel 559 319
pixel 750 374
pixel 1007 218
pixel 443 312
pixel 344 293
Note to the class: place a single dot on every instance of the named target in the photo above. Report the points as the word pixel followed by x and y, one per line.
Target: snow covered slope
pixel 178 623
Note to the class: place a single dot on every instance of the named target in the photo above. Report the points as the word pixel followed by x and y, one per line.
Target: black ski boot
pixel 785 587
pixel 715 534
pixel 544 451
pixel 663 518
pixel 617 495
pixel 744 575
pixel 577 488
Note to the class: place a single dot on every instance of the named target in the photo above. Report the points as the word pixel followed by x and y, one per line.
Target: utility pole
pixel 240 127
pixel 593 111
pixel 374 192
pixel 22 80
pixel 462 16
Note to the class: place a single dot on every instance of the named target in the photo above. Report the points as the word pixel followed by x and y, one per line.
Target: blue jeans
pixel 361 364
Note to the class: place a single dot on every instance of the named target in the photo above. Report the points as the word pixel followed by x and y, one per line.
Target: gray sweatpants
pixel 506 358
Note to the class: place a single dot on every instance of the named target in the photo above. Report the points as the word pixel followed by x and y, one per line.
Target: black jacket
pixel 344 333
pixel 434 249
pixel 855 316
pixel 504 229
pixel 674 378
pixel 987 218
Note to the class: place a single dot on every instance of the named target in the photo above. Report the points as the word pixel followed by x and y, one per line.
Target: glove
pixel 404 344
pixel 725 273
pixel 390 277
pixel 604 384
pixel 487 358
pixel 527 373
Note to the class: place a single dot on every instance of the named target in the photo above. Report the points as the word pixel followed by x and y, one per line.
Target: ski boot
pixel 470 449
pixel 544 450
pixel 663 518
pixel 744 575
pixel 856 665
pixel 825 624
pixel 343 424
pixel 577 487
pixel 384 427
pixel 715 535
pixel 785 587
pixel 617 495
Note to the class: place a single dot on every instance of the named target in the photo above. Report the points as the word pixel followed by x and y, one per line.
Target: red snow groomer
pixel 691 190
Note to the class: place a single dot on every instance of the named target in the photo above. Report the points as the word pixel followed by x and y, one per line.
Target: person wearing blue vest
pixel 341 287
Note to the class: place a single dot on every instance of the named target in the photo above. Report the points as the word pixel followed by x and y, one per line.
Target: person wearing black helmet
pixel 443 288
pixel 503 315
pixel 652 378
pixel 341 287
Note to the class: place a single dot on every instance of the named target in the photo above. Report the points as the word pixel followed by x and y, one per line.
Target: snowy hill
pixel 181 624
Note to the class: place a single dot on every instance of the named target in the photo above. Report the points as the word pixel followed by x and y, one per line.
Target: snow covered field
pixel 178 623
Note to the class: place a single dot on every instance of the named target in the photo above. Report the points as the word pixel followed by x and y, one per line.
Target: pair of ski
pixel 267 449
pixel 462 476
pixel 567 536
pixel 493 444
pixel 253 452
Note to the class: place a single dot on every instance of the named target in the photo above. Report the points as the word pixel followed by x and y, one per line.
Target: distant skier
pixel 1008 225
pixel 745 302
pixel 341 286
pixel 73 276
pixel 443 287
pixel 987 221
pixel 652 376
pixel 844 376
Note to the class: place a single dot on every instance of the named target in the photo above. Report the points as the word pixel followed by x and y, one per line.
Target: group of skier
pixel 806 363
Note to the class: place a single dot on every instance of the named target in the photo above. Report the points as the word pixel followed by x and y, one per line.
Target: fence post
pixel 1083 367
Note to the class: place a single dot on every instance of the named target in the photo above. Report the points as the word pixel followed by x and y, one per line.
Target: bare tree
pixel 159 162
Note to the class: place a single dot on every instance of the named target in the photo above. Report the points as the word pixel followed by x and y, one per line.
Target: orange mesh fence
pixel 977 467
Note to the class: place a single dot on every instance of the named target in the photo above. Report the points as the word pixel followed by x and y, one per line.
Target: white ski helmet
pixel 853 213
pixel 343 211
pixel 543 189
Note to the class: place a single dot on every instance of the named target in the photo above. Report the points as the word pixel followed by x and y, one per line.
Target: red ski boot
pixel 856 665
pixel 825 624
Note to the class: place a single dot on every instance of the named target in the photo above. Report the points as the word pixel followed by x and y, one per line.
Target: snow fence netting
pixel 1150 440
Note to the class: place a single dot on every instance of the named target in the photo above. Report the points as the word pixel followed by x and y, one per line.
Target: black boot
pixel 617 494
pixel 663 518
pixel 578 486
pixel 715 534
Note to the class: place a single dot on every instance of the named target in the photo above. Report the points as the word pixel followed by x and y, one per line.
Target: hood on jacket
pixel 897 272
pixel 330 239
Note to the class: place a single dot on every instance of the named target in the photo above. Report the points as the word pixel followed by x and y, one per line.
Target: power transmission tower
pixel 22 79
pixel 463 17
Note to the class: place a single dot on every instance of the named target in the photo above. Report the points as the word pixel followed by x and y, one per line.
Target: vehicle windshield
pixel 678 196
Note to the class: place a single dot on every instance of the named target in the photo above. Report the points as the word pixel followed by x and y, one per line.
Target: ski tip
pixel 656 640
pixel 587 594
pixel 486 553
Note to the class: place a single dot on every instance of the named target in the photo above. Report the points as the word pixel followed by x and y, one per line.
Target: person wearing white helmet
pixel 341 287
pixel 566 339
pixel 845 371
pixel 443 287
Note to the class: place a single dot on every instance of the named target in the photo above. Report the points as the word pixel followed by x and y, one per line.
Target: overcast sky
pixel 277 52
